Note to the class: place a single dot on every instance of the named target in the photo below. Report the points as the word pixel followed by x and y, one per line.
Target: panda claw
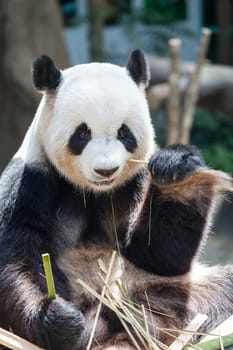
pixel 174 163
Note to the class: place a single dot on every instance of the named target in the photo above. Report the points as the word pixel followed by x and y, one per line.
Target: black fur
pixel 27 210
pixel 79 139
pixel 138 68
pixel 35 203
pixel 46 76
pixel 174 163
pixel 176 227
pixel 128 139
pixel 174 238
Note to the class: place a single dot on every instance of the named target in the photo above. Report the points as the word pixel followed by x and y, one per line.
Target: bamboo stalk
pixel 137 161
pixel 221 343
pixel 192 93
pixel 213 344
pixel 49 276
pixel 184 337
pixel 15 342
pixel 224 328
pixel 174 95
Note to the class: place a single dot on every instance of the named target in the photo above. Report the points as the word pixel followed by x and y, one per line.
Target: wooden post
pixel 224 17
pixel 173 122
pixel 192 92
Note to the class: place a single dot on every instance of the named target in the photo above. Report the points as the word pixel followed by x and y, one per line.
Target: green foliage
pixel 153 37
pixel 160 35
pixel 213 134
pixel 164 11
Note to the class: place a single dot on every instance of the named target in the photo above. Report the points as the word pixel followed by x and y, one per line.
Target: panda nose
pixel 106 172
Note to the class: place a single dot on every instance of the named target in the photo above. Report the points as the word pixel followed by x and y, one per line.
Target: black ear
pixel 138 68
pixel 46 76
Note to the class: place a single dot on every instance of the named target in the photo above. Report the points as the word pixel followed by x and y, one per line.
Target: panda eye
pixel 83 132
pixel 126 136
pixel 123 132
pixel 79 139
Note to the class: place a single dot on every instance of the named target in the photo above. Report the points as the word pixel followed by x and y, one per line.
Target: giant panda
pixel 72 190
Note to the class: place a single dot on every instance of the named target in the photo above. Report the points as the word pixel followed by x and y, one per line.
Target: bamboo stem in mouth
pixel 138 161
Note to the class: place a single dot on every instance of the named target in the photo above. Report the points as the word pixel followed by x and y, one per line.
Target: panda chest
pixel 70 222
pixel 110 218
pixel 96 218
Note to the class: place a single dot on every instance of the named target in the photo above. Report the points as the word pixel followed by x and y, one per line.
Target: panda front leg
pixel 27 197
pixel 176 212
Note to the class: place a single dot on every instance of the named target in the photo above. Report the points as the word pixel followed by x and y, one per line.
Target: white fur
pixel 104 97
pixel 31 150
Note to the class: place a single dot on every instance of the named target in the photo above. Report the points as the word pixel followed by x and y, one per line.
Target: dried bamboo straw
pixel 108 276
pixel 15 342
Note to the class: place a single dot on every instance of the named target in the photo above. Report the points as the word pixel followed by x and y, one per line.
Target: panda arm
pixel 27 196
pixel 166 235
pixel 176 211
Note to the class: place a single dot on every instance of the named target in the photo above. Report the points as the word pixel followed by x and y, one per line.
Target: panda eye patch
pixel 79 139
pixel 126 136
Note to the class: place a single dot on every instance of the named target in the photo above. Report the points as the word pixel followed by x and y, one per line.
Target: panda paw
pixel 62 324
pixel 174 163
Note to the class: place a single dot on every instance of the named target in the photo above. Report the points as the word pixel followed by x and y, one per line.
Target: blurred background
pixel 191 89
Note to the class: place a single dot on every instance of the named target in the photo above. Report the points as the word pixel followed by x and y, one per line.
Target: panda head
pixel 95 118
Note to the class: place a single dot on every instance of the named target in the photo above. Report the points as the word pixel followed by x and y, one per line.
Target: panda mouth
pixel 102 183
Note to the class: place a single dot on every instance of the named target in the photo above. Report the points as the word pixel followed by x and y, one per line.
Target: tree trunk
pixel 224 14
pixel 173 120
pixel 97 13
pixel 27 29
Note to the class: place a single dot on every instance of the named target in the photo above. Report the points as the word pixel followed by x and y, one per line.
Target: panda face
pixel 102 158
pixel 99 120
